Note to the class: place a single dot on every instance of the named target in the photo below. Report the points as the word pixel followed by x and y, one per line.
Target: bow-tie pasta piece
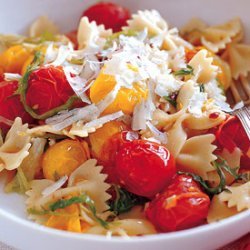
pixel 217 37
pixel 196 156
pixel 15 147
pixel 239 196
pixel 204 70
pixel 219 210
pixel 238 56
pixel 91 35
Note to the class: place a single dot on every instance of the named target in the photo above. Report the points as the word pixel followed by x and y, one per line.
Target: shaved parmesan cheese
pixel 104 119
pixel 51 54
pixel 55 186
pixel 167 84
pixel 132 135
pixel 78 84
pixel 196 102
pixel 12 77
pixel 139 116
pixel 64 119
pixel 158 135
pixel 62 55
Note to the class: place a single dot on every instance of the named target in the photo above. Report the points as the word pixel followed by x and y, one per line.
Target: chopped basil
pixel 172 99
pixel 219 165
pixel 82 199
pixel 125 201
pixel 183 72
pixel 202 88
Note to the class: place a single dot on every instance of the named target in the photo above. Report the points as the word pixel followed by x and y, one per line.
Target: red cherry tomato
pixel 72 36
pixel 10 105
pixel 231 134
pixel 48 88
pixel 144 168
pixel 182 205
pixel 111 15
pixel 109 152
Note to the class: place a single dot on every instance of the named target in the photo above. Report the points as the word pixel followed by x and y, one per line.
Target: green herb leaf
pixel 23 86
pixel 232 171
pixel 82 199
pixel 220 164
pixel 202 88
pixel 125 201
pixel 184 72
pixel 172 99
pixel 60 204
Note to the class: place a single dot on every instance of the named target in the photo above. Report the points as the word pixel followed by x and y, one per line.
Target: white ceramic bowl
pixel 17 231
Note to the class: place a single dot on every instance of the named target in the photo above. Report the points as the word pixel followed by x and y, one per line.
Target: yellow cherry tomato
pixel 26 64
pixel 63 158
pixel 125 100
pixel 12 59
pixel 101 135
pixel 68 219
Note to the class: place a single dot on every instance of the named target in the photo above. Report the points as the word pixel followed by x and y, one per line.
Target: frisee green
pixel 184 72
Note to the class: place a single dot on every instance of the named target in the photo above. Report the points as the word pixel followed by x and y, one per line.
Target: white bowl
pixel 17 231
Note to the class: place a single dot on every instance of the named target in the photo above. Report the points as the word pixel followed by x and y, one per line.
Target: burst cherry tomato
pixel 109 153
pixel 144 168
pixel 231 134
pixel 10 105
pixel 182 205
pixel 111 15
pixel 48 88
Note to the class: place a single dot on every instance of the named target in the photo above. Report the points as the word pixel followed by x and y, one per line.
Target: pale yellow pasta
pixel 238 56
pixel 41 25
pixel 196 155
pixel 125 227
pixel 219 210
pixel 217 37
pixel 204 70
pixel 15 147
pixel 233 161
pixel 85 179
pixel 239 196
pixel 205 121
pixel 176 137
pixel 89 34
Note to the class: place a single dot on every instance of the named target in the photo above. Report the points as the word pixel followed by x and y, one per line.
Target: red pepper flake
pixel 214 115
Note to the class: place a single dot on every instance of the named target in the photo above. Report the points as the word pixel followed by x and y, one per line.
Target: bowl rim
pixel 146 238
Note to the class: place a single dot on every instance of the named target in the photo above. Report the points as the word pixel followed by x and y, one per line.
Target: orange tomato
pixel 63 158
pixel 68 220
pixel 125 100
pixel 12 59
pixel 102 135
pixel 28 61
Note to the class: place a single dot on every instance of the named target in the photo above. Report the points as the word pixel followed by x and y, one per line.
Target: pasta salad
pixel 122 127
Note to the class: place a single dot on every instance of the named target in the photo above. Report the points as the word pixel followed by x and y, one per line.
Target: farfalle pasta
pixel 122 128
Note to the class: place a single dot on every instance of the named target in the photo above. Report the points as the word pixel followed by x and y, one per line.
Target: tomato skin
pixel 10 104
pixel 109 153
pixel 111 15
pixel 144 168
pixel 181 205
pixel 48 88
pixel 231 134
pixel 72 36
